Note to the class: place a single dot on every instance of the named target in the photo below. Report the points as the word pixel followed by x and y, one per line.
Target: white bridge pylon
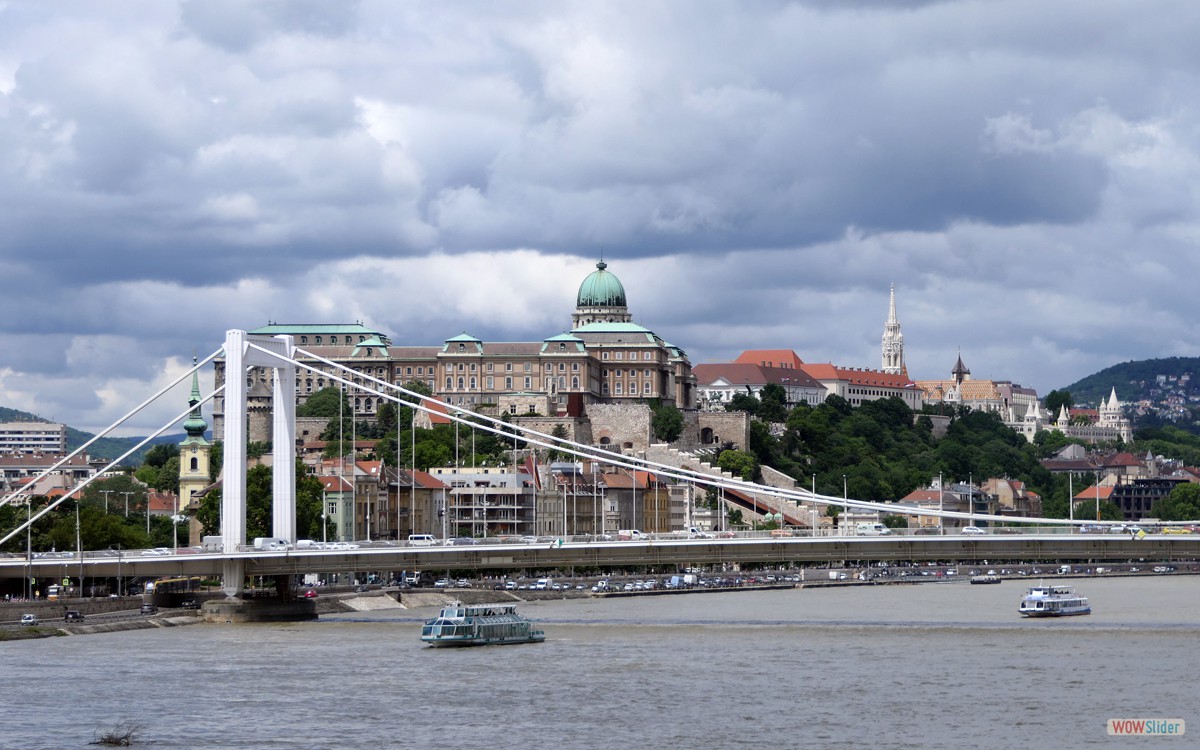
pixel 276 353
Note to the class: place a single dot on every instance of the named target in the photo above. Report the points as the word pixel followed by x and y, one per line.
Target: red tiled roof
pixel 738 373
pixel 858 377
pixel 1090 493
pixel 785 359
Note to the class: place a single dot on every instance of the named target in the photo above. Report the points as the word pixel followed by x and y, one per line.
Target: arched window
pixel 195 464
pixel 575 383
pixel 460 384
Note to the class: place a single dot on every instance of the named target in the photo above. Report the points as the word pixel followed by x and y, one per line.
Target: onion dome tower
pixel 194 452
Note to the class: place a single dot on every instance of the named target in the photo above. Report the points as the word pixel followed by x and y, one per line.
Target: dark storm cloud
pixel 758 174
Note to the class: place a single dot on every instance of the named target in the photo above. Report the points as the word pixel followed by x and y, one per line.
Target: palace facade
pixel 605 358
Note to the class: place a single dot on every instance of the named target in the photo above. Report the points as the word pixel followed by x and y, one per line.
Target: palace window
pixel 508 384
pixel 528 383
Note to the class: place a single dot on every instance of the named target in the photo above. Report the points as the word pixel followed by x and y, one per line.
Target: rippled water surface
pixel 944 665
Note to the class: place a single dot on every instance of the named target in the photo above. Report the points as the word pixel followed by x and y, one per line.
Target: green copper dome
pixel 601 289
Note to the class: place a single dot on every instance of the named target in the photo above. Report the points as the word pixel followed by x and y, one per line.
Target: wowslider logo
pixel 1146 727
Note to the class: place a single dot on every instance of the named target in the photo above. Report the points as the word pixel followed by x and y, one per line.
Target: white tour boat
pixel 1053 601
pixel 480 625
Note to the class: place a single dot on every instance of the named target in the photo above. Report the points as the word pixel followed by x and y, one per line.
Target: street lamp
pixel 106 493
pixel 79 545
pixel 126 494
pixel 175 521
pixel 845 504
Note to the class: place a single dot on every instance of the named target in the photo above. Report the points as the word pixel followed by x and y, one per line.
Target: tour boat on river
pixel 1053 601
pixel 479 625
pixel 985 579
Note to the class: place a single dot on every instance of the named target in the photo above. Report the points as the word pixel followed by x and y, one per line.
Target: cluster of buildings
pixel 596 381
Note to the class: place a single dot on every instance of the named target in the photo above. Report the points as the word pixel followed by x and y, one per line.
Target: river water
pixel 937 665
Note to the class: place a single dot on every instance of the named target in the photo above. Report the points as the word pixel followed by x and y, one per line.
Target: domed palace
pixel 604 358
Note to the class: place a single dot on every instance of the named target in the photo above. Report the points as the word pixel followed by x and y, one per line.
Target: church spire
pixel 195 426
pixel 893 340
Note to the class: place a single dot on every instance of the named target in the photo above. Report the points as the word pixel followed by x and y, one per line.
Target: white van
pixel 422 540
pixel 872 529
pixel 626 535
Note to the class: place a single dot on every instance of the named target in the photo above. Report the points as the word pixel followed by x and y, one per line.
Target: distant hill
pixel 107 447
pixel 1138 381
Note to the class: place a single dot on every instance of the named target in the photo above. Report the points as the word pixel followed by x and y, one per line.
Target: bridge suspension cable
pixel 116 461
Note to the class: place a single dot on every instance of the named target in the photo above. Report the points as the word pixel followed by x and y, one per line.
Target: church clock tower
pixel 893 341
pixel 193 460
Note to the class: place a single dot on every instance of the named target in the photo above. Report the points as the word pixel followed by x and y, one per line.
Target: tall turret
pixel 193 452
pixel 893 340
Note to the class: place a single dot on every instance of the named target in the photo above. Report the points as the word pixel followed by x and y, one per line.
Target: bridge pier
pixel 282 607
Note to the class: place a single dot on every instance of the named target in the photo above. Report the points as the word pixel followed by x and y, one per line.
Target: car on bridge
pixel 972 531
pixel 29 619
pixel 73 615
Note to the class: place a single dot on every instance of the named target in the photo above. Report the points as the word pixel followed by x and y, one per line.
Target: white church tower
pixel 893 341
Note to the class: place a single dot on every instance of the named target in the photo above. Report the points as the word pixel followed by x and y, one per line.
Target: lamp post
pixel 79 545
pixel 29 548
pixel 126 494
pixel 175 521
pixel 845 504
pixel 1071 496
pixel 324 528
pixel 813 506
pixel 106 493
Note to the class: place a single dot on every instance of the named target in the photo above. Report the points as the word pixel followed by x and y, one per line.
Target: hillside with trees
pixel 882 450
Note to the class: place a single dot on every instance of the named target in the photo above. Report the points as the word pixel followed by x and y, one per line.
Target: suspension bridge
pixel 1039 539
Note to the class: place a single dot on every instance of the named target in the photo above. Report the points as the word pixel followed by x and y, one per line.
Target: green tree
pixel 1183 504
pixel 743 402
pixel 738 463
pixel 147 474
pixel 160 454
pixel 772 403
pixel 327 402
pixel 1108 511
pixel 560 433
pixel 1056 400
pixel 667 422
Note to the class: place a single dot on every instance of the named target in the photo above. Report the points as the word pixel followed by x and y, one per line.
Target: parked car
pixel 189 604
pixel 73 615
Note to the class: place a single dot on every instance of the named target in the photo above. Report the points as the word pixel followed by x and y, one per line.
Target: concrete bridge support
pixel 242 351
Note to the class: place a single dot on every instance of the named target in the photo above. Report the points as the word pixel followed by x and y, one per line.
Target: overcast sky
pixel 757 174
